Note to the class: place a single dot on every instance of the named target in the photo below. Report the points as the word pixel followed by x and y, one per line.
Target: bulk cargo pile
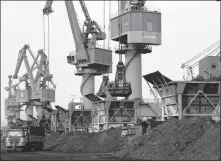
pixel 104 142
pixel 177 140
pixel 174 139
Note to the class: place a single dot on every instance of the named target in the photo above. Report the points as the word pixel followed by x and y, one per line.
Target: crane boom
pixel 81 53
pixel 18 65
pixel 22 56
pixel 81 39
pixel 47 9
pixel 84 8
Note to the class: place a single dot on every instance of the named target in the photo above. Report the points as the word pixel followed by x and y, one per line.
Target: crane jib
pixel 82 42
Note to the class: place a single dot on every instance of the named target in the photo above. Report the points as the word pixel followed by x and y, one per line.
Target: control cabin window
pixel 149 26
pixel 214 66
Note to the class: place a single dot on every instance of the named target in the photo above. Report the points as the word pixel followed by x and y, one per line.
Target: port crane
pixel 88 59
pixel 37 90
pixel 213 50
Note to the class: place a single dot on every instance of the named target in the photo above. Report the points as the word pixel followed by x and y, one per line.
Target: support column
pixel 180 106
pixel 17 113
pixel 65 127
pixel 107 119
pixel 69 119
pixel 29 111
pixel 87 87
pixel 134 73
pixel 162 109
pixel 39 111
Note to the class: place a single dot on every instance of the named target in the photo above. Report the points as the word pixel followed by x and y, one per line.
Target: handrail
pixel 71 53
pixel 103 47
pixel 117 48
pixel 144 9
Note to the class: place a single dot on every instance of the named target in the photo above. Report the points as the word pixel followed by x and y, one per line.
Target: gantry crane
pixel 38 92
pixel 88 59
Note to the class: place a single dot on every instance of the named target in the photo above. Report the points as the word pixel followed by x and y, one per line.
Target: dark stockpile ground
pixel 108 141
pixel 178 140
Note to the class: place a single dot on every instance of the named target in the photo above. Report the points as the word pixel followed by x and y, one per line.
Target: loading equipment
pixel 118 88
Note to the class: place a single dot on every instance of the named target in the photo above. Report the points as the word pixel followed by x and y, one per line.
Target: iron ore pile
pixel 194 139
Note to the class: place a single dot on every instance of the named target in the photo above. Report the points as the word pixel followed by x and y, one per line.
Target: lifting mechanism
pixel 110 110
pixel 118 88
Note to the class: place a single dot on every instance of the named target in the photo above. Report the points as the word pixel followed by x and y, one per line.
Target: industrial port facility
pixel 119 103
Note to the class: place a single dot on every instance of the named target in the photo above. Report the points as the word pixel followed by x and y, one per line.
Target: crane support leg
pixel 87 88
pixel 134 73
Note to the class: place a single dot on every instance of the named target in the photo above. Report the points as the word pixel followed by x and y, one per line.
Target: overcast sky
pixel 187 29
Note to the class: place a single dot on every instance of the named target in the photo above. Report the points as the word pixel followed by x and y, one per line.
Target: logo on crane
pixel 146 36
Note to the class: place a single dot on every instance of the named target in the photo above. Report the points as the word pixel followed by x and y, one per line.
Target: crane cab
pixel 139 26
pixel 71 58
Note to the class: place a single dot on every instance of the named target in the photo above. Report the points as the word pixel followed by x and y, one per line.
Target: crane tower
pixel 37 91
pixel 135 27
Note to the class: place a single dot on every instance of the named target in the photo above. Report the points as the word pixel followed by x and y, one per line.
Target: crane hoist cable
pixel 120 41
pixel 44 31
pixel 120 31
pixel 104 11
pixel 109 29
pixel 104 24
pixel 48 37
pixel 48 43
